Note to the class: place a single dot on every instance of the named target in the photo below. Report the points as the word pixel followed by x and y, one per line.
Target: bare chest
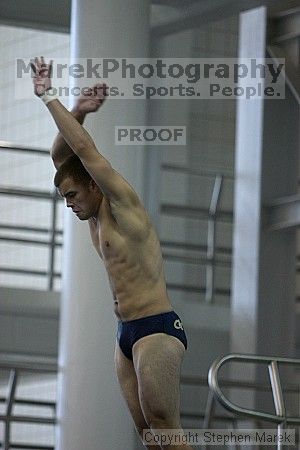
pixel 105 235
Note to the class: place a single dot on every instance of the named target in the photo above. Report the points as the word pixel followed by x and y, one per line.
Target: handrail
pixel 194 212
pixel 229 405
pixel 200 260
pixel 196 289
pixel 16 364
pixel 238 384
pixel 28 363
pixel 10 146
pixel 51 243
pixel 201 173
pixel 45 195
pixel 195 247
pixel 25 228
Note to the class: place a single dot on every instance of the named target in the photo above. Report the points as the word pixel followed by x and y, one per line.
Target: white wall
pixel 29 321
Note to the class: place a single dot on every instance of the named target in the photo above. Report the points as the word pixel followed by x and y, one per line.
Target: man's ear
pixel 93 186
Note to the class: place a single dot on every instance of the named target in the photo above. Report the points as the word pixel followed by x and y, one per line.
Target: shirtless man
pixel 150 340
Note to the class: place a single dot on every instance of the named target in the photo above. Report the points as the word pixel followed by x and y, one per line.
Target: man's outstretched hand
pixel 42 75
pixel 92 99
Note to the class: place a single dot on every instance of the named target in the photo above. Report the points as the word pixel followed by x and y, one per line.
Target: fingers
pixel 100 90
pixel 100 86
pixel 41 68
pixel 50 68
pixel 33 68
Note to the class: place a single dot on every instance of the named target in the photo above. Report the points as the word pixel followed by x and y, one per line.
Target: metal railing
pixel 212 215
pixel 52 242
pixel 280 418
pixel 17 365
pixel 208 416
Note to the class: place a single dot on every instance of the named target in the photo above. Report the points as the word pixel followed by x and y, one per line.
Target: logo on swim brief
pixel 178 325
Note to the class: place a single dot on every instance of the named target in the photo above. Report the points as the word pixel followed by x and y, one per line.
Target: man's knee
pixel 158 420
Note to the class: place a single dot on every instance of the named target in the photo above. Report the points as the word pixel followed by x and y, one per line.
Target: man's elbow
pixel 57 161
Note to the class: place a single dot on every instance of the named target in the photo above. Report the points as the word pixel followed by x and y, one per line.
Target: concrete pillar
pixel 91 411
pixel 263 280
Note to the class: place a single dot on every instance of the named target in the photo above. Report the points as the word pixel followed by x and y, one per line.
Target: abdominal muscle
pixel 136 307
pixel 135 298
pixel 136 277
pixel 134 268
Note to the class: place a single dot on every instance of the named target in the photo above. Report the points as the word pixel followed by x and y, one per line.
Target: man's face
pixel 84 200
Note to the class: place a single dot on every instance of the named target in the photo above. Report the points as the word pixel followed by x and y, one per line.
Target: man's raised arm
pixel 78 139
pixel 90 101
pixel 60 150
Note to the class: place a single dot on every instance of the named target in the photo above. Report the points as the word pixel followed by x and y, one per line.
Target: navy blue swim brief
pixel 131 331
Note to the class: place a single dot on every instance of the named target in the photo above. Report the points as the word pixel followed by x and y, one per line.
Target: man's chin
pixel 82 218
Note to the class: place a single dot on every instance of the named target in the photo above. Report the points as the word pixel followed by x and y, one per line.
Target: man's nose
pixel 69 204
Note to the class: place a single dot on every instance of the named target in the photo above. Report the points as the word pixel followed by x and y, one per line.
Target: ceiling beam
pixel 175 3
pixel 37 14
pixel 283 213
pixel 56 15
pixel 202 13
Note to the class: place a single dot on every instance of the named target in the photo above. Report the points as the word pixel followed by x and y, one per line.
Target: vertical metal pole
pixel 278 398
pixel 210 272
pixel 12 384
pixel 209 413
pixel 209 410
pixel 52 241
pixel 211 238
pixel 235 427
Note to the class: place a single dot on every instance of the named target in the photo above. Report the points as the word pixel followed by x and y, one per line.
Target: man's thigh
pixel 157 361
pixel 129 386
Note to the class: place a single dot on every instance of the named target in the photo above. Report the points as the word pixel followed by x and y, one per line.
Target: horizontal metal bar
pixel 201 173
pixel 226 383
pixel 214 385
pixel 203 261
pixel 196 247
pixel 174 3
pixel 10 146
pixel 16 446
pixel 28 363
pixel 196 289
pixel 28 241
pixel 28 229
pixel 41 273
pixel 30 402
pixel 199 416
pixel 29 419
pixel 29 193
pixel 195 213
